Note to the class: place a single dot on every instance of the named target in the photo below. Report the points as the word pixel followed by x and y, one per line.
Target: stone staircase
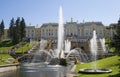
pixel 101 53
pixel 100 49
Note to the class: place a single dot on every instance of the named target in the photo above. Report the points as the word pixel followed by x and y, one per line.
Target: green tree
pixel 12 31
pixel 14 36
pixel 1 29
pixel 11 27
pixel 22 29
pixel 116 38
pixel 17 30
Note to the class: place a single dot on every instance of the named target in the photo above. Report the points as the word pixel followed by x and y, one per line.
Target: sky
pixel 45 11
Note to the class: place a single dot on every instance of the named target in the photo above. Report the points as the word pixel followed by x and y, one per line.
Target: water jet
pixel 94 70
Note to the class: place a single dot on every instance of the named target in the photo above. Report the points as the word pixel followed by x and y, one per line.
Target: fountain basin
pixel 95 71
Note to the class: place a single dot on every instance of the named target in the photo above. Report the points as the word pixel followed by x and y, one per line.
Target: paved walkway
pixel 72 72
pixel 3 69
pixel 8 67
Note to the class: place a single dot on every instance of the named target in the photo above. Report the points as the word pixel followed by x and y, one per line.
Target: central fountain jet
pixel 60 35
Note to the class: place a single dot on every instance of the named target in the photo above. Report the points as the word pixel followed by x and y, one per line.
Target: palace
pixel 78 33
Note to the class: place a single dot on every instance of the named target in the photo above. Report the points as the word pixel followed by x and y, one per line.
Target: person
pixel 12 53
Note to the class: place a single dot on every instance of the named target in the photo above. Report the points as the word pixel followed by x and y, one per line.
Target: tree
pixel 14 36
pixel 22 29
pixel 116 38
pixel 17 30
pixel 1 29
pixel 11 31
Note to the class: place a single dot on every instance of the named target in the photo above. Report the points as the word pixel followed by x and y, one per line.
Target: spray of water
pixel 60 35
pixel 67 46
pixel 94 48
pixel 102 41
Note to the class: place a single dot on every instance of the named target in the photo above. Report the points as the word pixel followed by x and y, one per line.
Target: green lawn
pixel 2 63
pixel 6 45
pixel 24 48
pixel 4 57
pixel 5 48
pixel 111 63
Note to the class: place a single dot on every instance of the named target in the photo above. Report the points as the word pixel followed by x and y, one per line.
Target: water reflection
pixel 9 74
pixel 38 72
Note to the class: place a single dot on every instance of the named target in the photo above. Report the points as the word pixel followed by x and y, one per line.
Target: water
pixel 60 35
pixel 42 56
pixel 43 44
pixel 94 48
pixel 79 54
pixel 67 46
pixel 50 71
pixel 102 41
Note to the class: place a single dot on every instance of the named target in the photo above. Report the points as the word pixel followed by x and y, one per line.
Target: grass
pixel 4 57
pixel 6 45
pixel 5 48
pixel 111 63
pixel 3 63
pixel 24 48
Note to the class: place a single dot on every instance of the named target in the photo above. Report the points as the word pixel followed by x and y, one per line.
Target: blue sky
pixel 43 11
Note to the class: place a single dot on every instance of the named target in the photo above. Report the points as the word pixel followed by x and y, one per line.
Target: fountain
pixel 43 44
pixel 46 54
pixel 94 70
pixel 60 35
pixel 102 41
pixel 55 56
pixel 37 58
pixel 67 46
pixel 79 54
pixel 94 48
